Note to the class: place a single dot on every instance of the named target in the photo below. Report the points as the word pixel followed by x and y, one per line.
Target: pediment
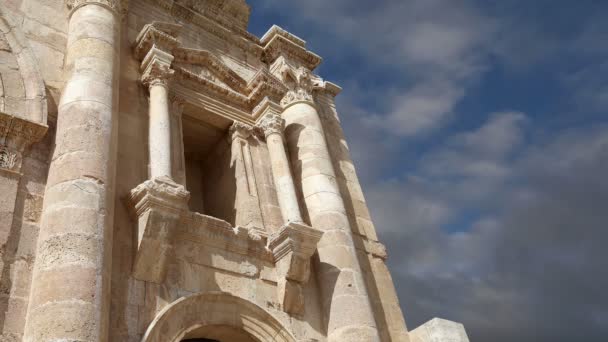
pixel 203 72
pixel 203 67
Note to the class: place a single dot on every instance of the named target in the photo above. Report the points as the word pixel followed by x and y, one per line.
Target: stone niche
pixel 209 172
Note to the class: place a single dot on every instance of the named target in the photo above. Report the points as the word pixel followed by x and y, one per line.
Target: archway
pixel 215 316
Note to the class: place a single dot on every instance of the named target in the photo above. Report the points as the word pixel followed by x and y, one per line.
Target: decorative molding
pixel 293 246
pixel 272 124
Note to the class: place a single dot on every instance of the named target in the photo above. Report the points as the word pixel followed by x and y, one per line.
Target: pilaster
pixel 247 205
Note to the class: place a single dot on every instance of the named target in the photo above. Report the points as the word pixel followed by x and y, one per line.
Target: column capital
pixel 240 130
pixel 272 124
pixel 17 134
pixel 300 82
pixel 156 68
pixel 119 7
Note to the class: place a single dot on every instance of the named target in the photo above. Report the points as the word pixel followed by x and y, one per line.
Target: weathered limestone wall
pixel 44 24
pixel 32 44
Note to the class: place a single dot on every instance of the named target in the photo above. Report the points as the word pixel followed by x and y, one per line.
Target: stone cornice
pixel 160 192
pixel 277 30
pixel 161 35
pixel 295 238
pixel 279 45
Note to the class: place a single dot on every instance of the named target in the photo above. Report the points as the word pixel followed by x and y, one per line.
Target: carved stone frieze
pixel 293 247
pixel 157 205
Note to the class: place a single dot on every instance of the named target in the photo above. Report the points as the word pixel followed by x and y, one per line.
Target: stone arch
pixel 22 91
pixel 215 309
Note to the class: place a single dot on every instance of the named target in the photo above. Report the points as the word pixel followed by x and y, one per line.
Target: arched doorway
pixel 215 317
pixel 218 333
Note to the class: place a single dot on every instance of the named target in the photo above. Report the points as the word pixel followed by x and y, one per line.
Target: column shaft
pixel 283 181
pixel 344 295
pixel 69 298
pixel 159 130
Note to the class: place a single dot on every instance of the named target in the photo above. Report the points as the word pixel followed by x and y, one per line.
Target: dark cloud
pixel 535 270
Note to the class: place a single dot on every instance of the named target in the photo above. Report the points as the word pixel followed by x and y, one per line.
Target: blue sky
pixel 480 133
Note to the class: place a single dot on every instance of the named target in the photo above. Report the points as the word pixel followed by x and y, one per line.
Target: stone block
pixel 439 330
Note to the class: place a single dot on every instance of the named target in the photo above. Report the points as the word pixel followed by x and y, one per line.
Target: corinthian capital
pixel 300 82
pixel 157 68
pixel 240 130
pixel 117 6
pixel 271 124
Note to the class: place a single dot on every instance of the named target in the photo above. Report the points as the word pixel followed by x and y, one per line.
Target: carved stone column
pixel 156 75
pixel 273 126
pixel 345 300
pixel 247 205
pixel 70 290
